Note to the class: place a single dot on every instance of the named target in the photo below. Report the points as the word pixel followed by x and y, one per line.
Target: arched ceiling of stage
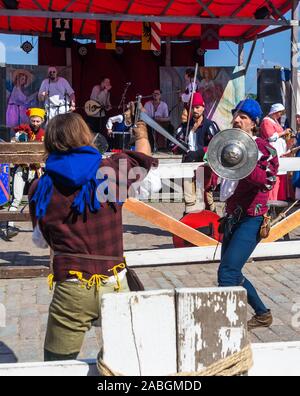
pixel 129 29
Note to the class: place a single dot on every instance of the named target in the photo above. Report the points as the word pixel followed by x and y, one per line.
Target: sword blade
pixel 153 124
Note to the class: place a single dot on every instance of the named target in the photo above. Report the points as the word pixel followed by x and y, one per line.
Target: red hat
pixel 198 100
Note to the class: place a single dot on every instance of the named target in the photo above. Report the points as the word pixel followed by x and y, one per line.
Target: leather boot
pixel 264 320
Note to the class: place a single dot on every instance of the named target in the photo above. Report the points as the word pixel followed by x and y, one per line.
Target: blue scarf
pixel 76 168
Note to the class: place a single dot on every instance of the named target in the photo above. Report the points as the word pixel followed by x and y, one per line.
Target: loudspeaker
pixel 11 4
pixel 262 13
pixel 269 88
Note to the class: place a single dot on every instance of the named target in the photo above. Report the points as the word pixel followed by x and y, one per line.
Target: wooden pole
pixel 241 53
pixel 168 223
pixel 168 52
pixel 284 227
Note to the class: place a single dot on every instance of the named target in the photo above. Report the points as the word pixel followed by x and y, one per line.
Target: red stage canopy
pixel 40 24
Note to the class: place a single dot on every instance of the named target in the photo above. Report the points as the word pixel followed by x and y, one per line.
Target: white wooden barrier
pixel 172 170
pixel 156 257
pixel 270 359
pixel 162 332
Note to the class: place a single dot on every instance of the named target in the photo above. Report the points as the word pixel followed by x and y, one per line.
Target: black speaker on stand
pixel 270 88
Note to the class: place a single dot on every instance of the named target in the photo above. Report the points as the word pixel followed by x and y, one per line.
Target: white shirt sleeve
pixel 149 109
pixel 95 92
pixel 150 185
pixel 112 120
pixel 43 87
pixel 165 110
pixel 67 86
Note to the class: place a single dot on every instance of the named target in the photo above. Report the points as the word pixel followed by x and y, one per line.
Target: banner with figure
pixel 22 86
pixel 221 87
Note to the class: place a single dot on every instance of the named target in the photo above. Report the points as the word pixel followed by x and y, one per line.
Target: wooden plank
pixel 24 147
pixel 5 215
pixel 139 332
pixel 284 227
pixel 168 223
pixel 21 158
pixel 158 257
pixel 204 254
pixel 270 359
pixel 30 271
pixel 211 325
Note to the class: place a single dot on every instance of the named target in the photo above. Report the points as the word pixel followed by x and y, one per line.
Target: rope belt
pixel 95 280
pixel 235 364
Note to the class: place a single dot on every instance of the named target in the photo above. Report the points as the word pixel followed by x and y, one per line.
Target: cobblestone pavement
pixel 26 301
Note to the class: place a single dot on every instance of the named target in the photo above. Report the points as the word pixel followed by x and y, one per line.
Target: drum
pixel 121 140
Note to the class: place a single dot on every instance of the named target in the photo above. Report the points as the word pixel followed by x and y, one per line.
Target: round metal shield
pixel 232 154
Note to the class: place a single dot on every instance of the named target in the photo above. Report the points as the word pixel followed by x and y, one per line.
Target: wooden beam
pixel 207 254
pixel 168 223
pixel 284 227
pixel 5 215
pixel 24 158
pixel 250 31
pixel 30 271
pixel 199 13
pixel 239 9
pixel 125 11
pixel 206 8
pixel 250 55
pixel 32 148
pixel 147 18
pixel 241 53
pixel 173 256
pixel 275 10
pixel 270 33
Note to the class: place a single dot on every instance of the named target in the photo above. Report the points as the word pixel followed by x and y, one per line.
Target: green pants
pixel 71 312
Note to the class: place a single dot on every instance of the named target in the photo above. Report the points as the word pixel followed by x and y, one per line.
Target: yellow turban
pixel 36 112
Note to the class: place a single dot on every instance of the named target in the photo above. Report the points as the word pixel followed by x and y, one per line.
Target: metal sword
pixel 153 124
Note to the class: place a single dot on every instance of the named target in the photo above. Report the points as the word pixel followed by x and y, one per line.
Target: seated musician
pixel 23 173
pixel 100 94
pixel 122 125
pixel 158 110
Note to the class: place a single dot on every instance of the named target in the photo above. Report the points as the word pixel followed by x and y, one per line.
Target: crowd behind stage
pixel 195 131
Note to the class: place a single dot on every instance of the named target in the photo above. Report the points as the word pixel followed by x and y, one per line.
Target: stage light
pixel 262 13
pixel 11 4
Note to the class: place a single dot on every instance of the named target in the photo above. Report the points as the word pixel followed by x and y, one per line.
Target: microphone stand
pixel 48 99
pixel 191 101
pixel 65 99
pixel 123 98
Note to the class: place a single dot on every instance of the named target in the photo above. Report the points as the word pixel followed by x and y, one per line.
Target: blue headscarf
pixel 75 168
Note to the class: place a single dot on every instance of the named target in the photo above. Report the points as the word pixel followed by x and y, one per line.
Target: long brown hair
pixel 67 131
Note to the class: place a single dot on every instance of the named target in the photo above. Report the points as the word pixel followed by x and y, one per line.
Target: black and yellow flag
pixel 146 36
pixel 106 35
